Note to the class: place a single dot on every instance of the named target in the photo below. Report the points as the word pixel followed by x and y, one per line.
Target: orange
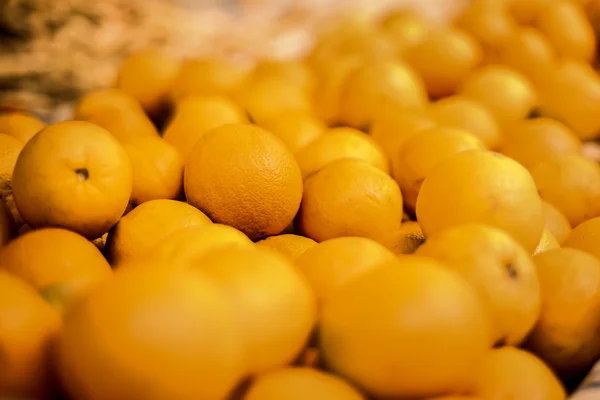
pixel 463 113
pixel 340 143
pixel 421 153
pixel 297 129
pixel 533 140
pixel 196 115
pixel 407 318
pixel 456 397
pixel 28 325
pixel 157 169
pixel 148 77
pixel 7 226
pixel 274 306
pixel 526 11
pixel 511 373
pixel 556 223
pixel 572 174
pixel 98 101
pixel 21 126
pixel 257 188
pixel 119 332
pixel 392 127
pixel 147 225
pixel 349 198
pixel 585 237
pixel 290 70
pixel 499 268
pixel 444 59
pixel 291 246
pixel 300 384
pixel 378 84
pixel 405 240
pixel 547 242
pixel 73 175
pixel 63 295
pixel 405 29
pixel 489 22
pixel 481 187
pixel 47 256
pixel 508 94
pixel 206 76
pixel 528 51
pixel 566 336
pixel 10 148
pixel 566 26
pixel 333 263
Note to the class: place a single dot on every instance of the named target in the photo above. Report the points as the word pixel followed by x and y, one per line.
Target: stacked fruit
pixel 204 232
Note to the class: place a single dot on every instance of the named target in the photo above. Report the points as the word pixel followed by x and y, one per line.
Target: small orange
pixel 488 21
pixel 585 237
pixel 572 174
pixel 28 325
pixel 157 169
pixel 119 332
pixel 291 246
pixel 274 305
pixel 98 101
pixel 148 77
pixel 511 373
pixel 349 198
pixel 73 175
pixel 566 26
pixel 405 29
pixel 533 140
pixel 378 84
pixel 333 263
pixel 499 268
pixel 481 187
pixel 147 225
pixel 197 114
pixel 300 384
pixel 21 126
pixel 47 256
pixel 297 129
pixel 340 143
pixel 508 94
pixel 405 240
pixel 395 321
pixel 10 148
pixel 257 188
pixel 556 223
pixel 207 76
pixel 444 59
pixel 565 335
pixel 421 153
pixel 463 113
pixel 547 242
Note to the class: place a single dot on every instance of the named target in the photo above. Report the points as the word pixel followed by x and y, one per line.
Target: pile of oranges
pixel 406 213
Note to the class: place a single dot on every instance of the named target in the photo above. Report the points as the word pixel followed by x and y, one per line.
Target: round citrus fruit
pixel 585 237
pixel 291 246
pixel 21 126
pixel 296 129
pixel 405 240
pixel 206 76
pixel 10 148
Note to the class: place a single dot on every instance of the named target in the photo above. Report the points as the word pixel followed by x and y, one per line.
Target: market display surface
pixel 409 211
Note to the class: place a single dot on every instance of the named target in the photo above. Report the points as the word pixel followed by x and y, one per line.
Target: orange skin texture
pixel 565 336
pixel 499 268
pixel 10 148
pixel 339 143
pixel 119 332
pixel 575 175
pixel 300 384
pixel 197 114
pixel 206 76
pixel 20 126
pixel 333 263
pixel 405 330
pixel 28 325
pixel 273 303
pixel 256 189
pixel 512 202
pixel 349 198
pixel 157 169
pixel 147 225
pixel 464 113
pixel 533 140
pixel 297 129
pixel 58 255
pixel 585 237
pixel 444 59
pixel 511 373
pixel 148 77
pixel 289 245
pixel 556 223
pixel 83 186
